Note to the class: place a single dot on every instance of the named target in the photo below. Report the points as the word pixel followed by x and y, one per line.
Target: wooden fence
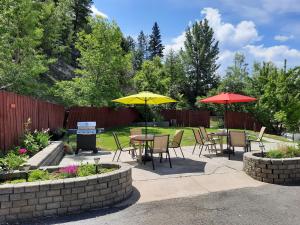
pixel 188 117
pixel 16 109
pixel 105 117
pixel 240 120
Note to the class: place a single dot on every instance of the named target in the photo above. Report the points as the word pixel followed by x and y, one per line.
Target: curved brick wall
pixel 56 197
pixel 277 171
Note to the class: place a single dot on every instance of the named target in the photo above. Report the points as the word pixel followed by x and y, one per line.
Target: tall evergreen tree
pixel 82 9
pixel 156 47
pixel 141 52
pixel 200 58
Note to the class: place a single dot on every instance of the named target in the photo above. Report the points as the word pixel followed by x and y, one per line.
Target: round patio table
pixel 142 138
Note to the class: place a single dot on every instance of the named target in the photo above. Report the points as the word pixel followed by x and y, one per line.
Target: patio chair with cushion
pixel 160 146
pixel 201 142
pixel 259 139
pixel 121 148
pixel 135 131
pixel 238 139
pixel 209 138
pixel 176 142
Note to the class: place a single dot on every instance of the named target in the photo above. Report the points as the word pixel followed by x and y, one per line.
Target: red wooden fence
pixel 188 117
pixel 240 120
pixel 105 117
pixel 16 109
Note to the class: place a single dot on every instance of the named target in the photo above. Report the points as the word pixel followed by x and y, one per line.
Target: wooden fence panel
pixel 105 117
pixel 16 109
pixel 192 118
pixel 240 120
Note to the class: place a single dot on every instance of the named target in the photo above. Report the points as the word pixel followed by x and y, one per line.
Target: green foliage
pixel 38 175
pixel 103 67
pixel 86 170
pixel 21 60
pixel 11 161
pixel 42 138
pixel 200 56
pixel 156 47
pixel 284 152
pixel 152 77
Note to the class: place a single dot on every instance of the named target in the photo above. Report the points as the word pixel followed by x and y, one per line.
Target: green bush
pixel 37 175
pixel 42 138
pixel 30 143
pixel 86 170
pixel 12 161
pixel 284 152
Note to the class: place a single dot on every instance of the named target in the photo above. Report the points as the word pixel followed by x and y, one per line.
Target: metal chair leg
pixel 152 161
pixel 181 152
pixel 194 147
pixel 175 152
pixel 114 155
pixel 169 159
pixel 201 150
pixel 119 156
pixel 160 157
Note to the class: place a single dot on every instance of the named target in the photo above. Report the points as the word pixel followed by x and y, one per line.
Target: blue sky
pixel 264 30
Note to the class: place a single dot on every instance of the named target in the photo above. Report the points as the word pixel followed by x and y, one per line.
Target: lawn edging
pixel 71 195
pixel 269 170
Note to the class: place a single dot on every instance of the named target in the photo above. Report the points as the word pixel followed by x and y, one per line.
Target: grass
pixel 106 141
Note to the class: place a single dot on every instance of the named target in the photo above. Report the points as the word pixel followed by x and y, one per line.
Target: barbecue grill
pixel 86 136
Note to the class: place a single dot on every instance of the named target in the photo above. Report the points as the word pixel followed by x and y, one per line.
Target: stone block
pixel 93 193
pixel 32 187
pixel 53 192
pixel 70 197
pixel 6 190
pixel 283 176
pixel 77 189
pixel 19 203
pixel 50 212
pixel 54 205
pixel 266 171
pixel 4 212
pixel 62 211
pixel 5 205
pixel 14 210
pixel 77 202
pixel 40 207
pixel 29 208
pixel 29 195
pixel 82 195
pixel 33 201
pixel 41 194
pixel 45 200
pixel 13 197
pixel 57 198
pixel 66 191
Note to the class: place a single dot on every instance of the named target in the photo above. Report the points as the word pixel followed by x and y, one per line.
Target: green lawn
pixel 106 140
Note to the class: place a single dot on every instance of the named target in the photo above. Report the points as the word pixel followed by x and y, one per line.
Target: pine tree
pixel 141 53
pixel 156 47
pixel 82 9
pixel 200 57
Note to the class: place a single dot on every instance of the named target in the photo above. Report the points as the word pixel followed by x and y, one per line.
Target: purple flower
pixel 72 170
pixel 22 151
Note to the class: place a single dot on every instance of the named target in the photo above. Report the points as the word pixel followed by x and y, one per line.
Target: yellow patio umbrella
pixel 145 98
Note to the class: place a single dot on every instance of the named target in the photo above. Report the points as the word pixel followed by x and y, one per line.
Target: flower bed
pixel 272 170
pixel 71 195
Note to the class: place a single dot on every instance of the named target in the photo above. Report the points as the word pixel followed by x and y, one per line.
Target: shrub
pixel 37 175
pixel 86 170
pixel 12 161
pixel 284 151
pixel 42 138
pixel 30 144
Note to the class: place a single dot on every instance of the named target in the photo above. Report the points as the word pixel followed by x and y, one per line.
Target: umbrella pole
pixel 146 130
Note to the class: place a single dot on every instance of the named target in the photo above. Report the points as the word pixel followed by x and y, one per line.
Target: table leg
pixel 140 152
pixel 221 143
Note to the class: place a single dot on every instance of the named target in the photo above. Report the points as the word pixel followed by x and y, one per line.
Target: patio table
pixel 142 138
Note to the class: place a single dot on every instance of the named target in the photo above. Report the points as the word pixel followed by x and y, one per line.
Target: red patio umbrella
pixel 227 98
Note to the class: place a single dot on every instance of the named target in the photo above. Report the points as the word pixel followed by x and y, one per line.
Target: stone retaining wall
pixel 47 198
pixel 276 171
pixel 49 156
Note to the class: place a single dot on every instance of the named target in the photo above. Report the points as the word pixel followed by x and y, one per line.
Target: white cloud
pixel 244 38
pixel 283 38
pixel 228 34
pixel 276 54
pixel 281 6
pixel 96 12
pixel 176 43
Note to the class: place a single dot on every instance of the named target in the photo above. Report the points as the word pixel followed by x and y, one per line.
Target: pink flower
pixel 72 170
pixel 22 151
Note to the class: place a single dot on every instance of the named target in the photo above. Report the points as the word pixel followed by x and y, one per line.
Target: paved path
pixel 265 205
